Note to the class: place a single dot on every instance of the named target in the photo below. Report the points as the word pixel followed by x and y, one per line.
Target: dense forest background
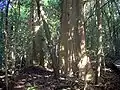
pixel 73 42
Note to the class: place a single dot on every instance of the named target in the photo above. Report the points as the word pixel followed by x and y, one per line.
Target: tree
pixel 6 44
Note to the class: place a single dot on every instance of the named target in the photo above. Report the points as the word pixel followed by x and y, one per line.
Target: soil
pixel 38 78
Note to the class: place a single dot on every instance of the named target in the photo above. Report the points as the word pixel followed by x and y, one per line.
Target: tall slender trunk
pixel 33 56
pixel 6 44
pixel 64 37
pixel 100 51
pixel 81 29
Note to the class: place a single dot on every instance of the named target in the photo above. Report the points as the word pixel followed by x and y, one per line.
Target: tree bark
pixel 100 49
pixel 6 44
pixel 64 37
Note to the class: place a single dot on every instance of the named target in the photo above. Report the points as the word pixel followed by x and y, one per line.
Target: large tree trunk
pixel 73 38
pixel 64 37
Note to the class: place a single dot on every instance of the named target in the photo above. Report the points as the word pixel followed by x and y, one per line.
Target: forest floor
pixel 111 80
pixel 36 78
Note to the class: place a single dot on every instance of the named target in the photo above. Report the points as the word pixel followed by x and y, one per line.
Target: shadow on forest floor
pixel 37 78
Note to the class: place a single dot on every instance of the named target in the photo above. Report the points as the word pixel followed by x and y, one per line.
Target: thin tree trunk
pixel 33 56
pixel 81 29
pixel 6 44
pixel 99 27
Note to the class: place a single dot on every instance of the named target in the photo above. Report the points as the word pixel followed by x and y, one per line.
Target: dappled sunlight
pixel 83 62
pixel 37 28
pixel 89 77
pixel 59 45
